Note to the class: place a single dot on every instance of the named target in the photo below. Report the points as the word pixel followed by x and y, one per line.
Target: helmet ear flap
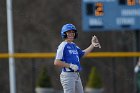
pixel 64 35
pixel 76 35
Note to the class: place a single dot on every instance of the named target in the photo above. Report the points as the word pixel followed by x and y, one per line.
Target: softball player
pixel 67 57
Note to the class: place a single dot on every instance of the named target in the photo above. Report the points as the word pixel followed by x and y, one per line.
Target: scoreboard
pixel 104 15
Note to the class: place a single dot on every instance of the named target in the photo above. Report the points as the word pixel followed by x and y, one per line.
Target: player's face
pixel 70 35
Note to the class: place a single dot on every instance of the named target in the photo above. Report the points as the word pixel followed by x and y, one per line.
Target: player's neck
pixel 68 40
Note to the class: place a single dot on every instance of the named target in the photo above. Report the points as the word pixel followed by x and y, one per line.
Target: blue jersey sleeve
pixel 80 52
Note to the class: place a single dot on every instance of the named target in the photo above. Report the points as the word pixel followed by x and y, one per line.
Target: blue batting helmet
pixel 66 28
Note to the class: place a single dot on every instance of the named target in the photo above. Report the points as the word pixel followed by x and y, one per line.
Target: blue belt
pixel 70 71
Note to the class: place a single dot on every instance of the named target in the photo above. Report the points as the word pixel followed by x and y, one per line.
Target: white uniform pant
pixel 71 82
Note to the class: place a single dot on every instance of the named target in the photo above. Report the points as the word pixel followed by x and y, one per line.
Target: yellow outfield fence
pixel 52 55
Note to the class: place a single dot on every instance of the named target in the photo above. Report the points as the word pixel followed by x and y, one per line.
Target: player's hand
pixel 95 42
pixel 74 67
